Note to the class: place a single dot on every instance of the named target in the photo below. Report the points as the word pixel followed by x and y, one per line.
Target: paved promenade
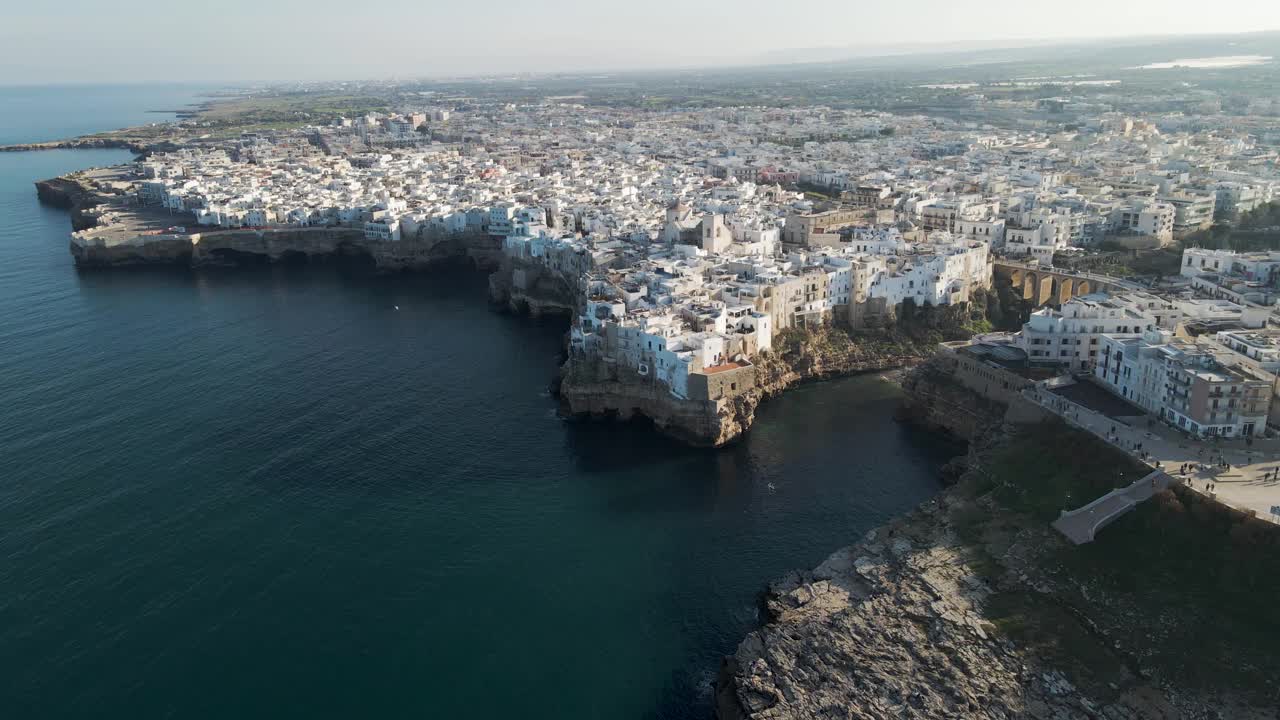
pixel 1249 481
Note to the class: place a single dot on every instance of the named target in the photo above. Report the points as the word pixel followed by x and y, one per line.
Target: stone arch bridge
pixel 1049 286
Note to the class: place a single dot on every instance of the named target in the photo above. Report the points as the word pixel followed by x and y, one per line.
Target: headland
pixel 974 606
pixel 111 229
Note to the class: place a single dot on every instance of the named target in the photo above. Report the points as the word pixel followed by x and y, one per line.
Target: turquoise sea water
pixel 268 493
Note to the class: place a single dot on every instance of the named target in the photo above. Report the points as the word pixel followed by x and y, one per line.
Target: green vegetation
pixel 1181 589
pixel 1224 237
pixel 1053 468
pixel 1006 309
pixel 1205 579
pixel 289 108
pixel 1262 217
pixel 817 192
pixel 932 324
pixel 915 332
pixel 1258 229
pixel 1115 261
pixel 1055 633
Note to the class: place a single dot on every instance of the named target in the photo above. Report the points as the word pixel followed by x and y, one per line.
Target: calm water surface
pixel 268 493
pixel 34 113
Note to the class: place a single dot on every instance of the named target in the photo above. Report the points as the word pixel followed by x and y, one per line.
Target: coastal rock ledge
pixel 721 407
pixel 892 628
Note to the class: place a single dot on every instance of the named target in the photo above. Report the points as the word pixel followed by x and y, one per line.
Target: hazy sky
pixel 271 40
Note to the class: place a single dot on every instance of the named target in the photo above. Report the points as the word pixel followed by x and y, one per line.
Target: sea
pixel 309 492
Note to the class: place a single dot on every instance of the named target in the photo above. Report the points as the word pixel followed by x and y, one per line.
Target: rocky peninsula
pixel 971 606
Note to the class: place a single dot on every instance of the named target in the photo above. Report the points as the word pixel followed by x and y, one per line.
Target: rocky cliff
pixel 284 245
pixel 893 627
pixel 935 402
pixel 524 287
pixel 599 390
pixel 69 193
pixel 586 394
pixel 971 606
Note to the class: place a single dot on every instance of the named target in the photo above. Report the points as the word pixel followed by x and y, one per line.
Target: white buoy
pixel 397 307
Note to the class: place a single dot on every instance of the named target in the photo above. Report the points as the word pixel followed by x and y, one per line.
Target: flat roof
pixel 732 365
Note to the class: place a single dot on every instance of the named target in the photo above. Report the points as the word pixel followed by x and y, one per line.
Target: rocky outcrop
pixel 80 143
pixel 285 245
pixel 69 193
pixel 971 606
pixel 893 627
pixel 828 352
pixel 600 390
pixel 934 401
pixel 694 422
pixel 532 289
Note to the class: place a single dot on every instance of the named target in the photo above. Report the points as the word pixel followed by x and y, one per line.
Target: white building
pixel 1071 336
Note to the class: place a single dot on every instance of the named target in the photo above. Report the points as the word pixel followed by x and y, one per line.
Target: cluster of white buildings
pixel 690 254
pixel 714 303
pixel 1134 182
pixel 1199 361
pixel 1249 278
pixel 1199 385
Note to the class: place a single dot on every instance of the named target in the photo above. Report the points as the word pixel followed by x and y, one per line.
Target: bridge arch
pixel 1029 286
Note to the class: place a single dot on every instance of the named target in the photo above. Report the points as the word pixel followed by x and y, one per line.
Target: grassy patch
pixel 1201 582
pixel 288 105
pixel 1052 467
pixel 1055 633
pixel 1161 262
pixel 1187 588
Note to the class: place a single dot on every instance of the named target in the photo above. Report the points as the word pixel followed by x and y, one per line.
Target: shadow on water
pixel 352 271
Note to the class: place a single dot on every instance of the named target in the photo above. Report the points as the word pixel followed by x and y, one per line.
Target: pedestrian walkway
pixel 1082 524
pixel 1244 476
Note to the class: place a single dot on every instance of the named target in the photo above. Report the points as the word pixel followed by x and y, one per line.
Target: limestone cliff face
pixel 234 247
pixel 69 194
pixel 936 402
pixel 700 423
pixel 598 390
pixel 524 287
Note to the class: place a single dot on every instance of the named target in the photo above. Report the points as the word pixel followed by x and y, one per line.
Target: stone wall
pixel 723 385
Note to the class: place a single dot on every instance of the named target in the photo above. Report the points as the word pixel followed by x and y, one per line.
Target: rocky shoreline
pixel 285 245
pixel 913 620
pixel 889 628
pixel 594 391
pixel 106 237
pixel 80 143
pixel 70 194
